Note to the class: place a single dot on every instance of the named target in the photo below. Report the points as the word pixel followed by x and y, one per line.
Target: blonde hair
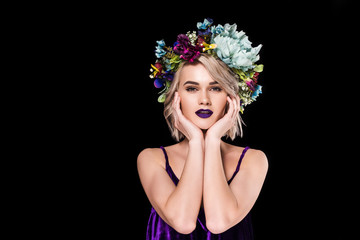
pixel 221 73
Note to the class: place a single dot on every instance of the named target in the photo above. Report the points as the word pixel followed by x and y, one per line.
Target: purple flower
pixel 162 78
pixel 185 49
pixel 206 32
pixel 169 76
pixel 250 84
pixel 158 83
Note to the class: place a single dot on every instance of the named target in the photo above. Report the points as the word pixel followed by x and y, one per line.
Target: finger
pixel 236 107
pixel 238 103
pixel 173 101
pixel 180 116
pixel 177 104
pixel 231 107
pixel 175 112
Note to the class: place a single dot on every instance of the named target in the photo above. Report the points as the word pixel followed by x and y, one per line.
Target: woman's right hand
pixel 184 125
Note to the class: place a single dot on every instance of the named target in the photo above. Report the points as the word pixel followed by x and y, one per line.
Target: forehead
pixel 196 73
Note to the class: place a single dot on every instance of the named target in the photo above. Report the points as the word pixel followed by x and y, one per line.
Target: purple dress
pixel 158 229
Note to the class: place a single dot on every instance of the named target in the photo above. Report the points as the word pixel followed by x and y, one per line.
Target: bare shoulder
pixel 256 159
pixel 149 157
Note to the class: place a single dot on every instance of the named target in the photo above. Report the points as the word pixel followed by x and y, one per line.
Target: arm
pixel 177 205
pixel 227 205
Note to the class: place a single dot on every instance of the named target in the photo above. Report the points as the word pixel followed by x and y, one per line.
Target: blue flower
pixel 256 92
pixel 159 52
pixel 207 22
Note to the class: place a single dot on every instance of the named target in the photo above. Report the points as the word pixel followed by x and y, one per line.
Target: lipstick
pixel 204 113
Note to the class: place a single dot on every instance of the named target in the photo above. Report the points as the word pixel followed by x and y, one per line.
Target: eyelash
pixel 193 89
pixel 216 89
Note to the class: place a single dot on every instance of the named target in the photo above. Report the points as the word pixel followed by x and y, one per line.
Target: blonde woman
pixel 201 187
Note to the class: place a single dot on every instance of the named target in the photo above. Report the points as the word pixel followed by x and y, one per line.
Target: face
pixel 202 99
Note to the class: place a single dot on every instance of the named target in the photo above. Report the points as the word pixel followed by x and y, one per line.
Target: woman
pixel 201 187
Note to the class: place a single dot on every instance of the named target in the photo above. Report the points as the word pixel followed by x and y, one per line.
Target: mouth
pixel 204 113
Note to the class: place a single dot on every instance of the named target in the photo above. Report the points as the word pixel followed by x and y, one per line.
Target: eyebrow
pixel 196 83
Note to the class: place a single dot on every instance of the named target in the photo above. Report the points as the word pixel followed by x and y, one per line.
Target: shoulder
pixel 256 160
pixel 150 156
pixel 253 158
pixel 148 152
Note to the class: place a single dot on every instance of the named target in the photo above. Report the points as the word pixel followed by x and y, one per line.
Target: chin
pixel 204 124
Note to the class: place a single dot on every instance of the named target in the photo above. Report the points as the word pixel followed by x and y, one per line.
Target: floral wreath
pixel 222 42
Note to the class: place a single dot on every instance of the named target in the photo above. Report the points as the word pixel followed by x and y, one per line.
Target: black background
pixel 301 120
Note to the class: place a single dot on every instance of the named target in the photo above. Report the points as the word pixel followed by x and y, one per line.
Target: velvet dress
pixel 158 229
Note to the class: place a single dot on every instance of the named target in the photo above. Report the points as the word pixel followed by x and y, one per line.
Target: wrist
pixel 212 140
pixel 196 142
pixel 212 137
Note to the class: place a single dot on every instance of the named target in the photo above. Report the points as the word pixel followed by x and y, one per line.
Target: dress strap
pixel 238 165
pixel 168 167
pixel 166 157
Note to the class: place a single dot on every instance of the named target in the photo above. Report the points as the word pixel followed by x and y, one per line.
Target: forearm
pixel 219 201
pixel 184 203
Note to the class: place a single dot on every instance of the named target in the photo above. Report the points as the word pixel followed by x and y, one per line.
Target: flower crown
pixel 222 42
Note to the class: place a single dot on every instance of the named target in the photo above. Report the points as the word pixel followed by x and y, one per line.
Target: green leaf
pixel 167 84
pixel 175 59
pixel 239 72
pixel 162 98
pixel 259 68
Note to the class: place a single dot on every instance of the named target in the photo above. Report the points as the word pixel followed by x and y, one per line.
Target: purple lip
pixel 204 113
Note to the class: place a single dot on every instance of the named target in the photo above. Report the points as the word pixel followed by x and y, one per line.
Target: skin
pixel 202 162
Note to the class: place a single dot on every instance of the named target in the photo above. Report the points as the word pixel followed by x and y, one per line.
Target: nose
pixel 204 98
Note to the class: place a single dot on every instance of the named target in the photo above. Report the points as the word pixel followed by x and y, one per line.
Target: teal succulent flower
pixel 258 90
pixel 218 29
pixel 159 51
pixel 207 22
pixel 234 48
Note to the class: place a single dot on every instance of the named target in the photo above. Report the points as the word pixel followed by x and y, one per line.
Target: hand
pixel 227 121
pixel 184 125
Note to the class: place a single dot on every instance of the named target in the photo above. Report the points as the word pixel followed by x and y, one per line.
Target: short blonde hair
pixel 221 73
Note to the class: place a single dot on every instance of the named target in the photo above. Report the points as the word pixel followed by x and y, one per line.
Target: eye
pixel 190 89
pixel 216 89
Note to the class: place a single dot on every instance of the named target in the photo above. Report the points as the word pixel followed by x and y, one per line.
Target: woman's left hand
pixel 227 121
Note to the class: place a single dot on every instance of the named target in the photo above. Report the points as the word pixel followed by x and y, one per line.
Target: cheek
pixel 221 104
pixel 186 104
